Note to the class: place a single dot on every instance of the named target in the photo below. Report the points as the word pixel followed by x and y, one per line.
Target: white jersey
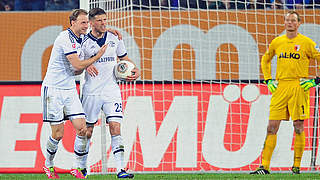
pixel 60 73
pixel 105 82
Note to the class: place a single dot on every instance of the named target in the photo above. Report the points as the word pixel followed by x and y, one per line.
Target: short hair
pixel 75 13
pixel 294 12
pixel 94 12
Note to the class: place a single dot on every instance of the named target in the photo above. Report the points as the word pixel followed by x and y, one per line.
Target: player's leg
pixel 299 110
pixel 118 148
pixel 278 112
pixel 270 143
pixel 299 144
pixel 80 148
pixel 92 106
pixel 53 113
pixel 113 110
pixel 74 111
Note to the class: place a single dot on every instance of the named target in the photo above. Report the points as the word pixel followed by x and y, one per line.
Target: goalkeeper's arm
pixel 306 84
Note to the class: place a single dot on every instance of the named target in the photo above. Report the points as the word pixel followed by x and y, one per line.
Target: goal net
pixel 200 105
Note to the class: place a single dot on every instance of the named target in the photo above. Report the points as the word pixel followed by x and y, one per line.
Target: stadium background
pixel 182 123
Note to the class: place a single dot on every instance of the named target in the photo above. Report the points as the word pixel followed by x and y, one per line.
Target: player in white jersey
pixel 100 90
pixel 58 91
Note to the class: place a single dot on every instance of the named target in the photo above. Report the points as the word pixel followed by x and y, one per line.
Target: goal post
pixel 200 104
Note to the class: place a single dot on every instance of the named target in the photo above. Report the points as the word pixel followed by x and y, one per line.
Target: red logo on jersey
pixel 296 47
pixel 74 45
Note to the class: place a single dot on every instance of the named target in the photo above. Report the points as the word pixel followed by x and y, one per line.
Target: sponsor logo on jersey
pixel 73 45
pixel 106 59
pixel 286 55
pixel 296 47
pixel 111 43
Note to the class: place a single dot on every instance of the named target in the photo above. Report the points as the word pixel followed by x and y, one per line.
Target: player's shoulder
pixel 85 39
pixel 304 37
pixel 112 36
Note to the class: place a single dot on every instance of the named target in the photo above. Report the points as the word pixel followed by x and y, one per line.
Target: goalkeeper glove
pixel 272 84
pixel 306 84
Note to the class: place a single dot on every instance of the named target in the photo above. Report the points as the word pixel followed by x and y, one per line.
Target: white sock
pixel 118 151
pixel 52 147
pixel 83 162
pixel 80 151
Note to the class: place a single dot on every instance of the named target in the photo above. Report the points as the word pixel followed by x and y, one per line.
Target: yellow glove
pixel 306 84
pixel 272 85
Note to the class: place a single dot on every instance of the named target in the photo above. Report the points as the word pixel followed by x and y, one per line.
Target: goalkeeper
pixel 290 89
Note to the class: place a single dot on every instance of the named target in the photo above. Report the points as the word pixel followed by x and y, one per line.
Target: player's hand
pixel 92 71
pixel 272 85
pixel 115 32
pixel 135 74
pixel 102 50
pixel 306 84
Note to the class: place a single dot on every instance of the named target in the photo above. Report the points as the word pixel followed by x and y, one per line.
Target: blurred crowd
pixel 56 5
pixel 38 5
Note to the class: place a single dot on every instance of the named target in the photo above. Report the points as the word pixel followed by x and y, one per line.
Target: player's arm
pixel 79 65
pixel 266 62
pixel 266 68
pixel 314 53
pixel 136 71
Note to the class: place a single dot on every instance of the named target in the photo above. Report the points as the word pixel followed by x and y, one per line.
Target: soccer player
pixel 290 89
pixel 100 90
pixel 58 91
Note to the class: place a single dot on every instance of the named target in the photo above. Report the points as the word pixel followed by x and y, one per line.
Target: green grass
pixel 172 176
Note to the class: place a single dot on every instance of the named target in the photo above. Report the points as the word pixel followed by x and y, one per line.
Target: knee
pixel 298 126
pixel 89 134
pixel 82 131
pixel 57 136
pixel 298 130
pixel 272 129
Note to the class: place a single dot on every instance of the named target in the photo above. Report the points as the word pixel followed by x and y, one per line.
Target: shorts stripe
pixel 45 120
pixel 45 105
pixel 75 114
pixel 113 117
pixel 91 124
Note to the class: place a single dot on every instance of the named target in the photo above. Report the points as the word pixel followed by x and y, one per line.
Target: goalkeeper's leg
pixel 269 145
pixel 299 144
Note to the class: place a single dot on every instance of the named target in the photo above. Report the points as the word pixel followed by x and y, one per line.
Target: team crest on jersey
pixel 296 47
pixel 111 43
pixel 73 45
pixel 317 48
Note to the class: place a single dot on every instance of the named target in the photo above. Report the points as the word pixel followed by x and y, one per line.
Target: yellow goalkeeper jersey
pixel 292 57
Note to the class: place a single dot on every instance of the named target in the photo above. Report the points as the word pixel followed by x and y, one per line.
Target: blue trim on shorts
pixel 113 117
pixel 91 124
pixel 45 120
pixel 45 106
pixel 74 115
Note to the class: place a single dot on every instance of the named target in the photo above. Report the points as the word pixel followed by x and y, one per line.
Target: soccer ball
pixel 123 69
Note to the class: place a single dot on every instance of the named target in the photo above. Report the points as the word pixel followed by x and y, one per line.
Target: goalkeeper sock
pixel 298 147
pixel 269 145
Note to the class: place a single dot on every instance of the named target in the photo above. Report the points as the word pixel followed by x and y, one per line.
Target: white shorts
pixel 92 105
pixel 60 104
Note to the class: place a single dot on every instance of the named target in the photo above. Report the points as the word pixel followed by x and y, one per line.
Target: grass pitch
pixel 171 176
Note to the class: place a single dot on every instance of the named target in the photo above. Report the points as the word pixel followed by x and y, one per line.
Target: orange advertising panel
pixel 27 38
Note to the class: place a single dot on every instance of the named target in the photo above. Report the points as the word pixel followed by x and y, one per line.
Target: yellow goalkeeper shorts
pixel 289 100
